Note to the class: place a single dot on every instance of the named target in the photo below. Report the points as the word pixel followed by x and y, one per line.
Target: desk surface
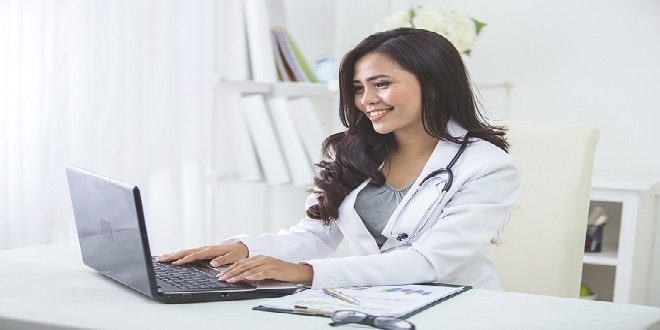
pixel 45 287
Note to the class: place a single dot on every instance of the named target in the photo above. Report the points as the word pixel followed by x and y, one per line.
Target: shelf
pixel 621 271
pixel 287 89
pixel 300 89
pixel 607 257
pixel 626 181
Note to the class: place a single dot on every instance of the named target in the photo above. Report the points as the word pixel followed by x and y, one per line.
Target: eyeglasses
pixel 381 322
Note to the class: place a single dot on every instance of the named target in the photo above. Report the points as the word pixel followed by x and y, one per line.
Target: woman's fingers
pixel 220 254
pixel 243 268
pixel 233 253
pixel 177 255
pixel 199 254
pixel 240 270
pixel 262 267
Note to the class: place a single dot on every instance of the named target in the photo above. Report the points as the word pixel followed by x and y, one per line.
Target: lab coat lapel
pixel 410 214
pixel 355 232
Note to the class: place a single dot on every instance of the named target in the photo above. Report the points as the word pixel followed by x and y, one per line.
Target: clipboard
pixel 401 301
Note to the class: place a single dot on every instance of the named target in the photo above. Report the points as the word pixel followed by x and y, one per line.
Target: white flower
pixel 463 31
pixel 397 19
pixel 460 29
pixel 428 19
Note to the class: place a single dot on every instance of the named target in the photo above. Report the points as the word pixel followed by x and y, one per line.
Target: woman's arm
pixel 456 243
pixel 306 240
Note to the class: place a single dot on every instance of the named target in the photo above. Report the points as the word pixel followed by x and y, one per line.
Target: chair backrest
pixel 541 246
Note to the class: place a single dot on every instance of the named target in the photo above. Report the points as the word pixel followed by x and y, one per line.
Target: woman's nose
pixel 369 97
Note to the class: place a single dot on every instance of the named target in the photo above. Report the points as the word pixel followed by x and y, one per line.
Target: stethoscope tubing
pixel 445 188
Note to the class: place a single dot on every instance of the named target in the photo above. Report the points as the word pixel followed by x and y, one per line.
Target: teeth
pixel 378 113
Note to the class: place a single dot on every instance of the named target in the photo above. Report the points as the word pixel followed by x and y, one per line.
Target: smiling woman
pixel 417 184
pixel 381 87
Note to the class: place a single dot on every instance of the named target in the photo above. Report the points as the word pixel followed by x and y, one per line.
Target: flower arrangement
pixel 459 28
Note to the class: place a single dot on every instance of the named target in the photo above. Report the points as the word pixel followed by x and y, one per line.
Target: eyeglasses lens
pixel 382 322
pixel 349 316
pixel 391 323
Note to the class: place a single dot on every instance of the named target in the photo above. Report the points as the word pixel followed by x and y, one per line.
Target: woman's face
pixel 388 95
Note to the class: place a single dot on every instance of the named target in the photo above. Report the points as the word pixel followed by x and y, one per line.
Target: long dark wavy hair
pixel 354 155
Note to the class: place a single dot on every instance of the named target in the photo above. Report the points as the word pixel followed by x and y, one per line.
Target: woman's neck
pixel 421 145
pixel 406 161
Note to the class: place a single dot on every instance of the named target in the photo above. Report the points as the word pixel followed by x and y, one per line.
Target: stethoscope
pixel 422 184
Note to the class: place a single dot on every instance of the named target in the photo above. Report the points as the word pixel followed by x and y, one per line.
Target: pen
pixel 339 295
pixel 308 311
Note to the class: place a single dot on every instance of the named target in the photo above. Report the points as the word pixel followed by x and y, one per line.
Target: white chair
pixel 541 246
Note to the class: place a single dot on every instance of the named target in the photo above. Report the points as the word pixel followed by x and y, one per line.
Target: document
pixel 266 143
pixel 308 125
pixel 300 166
pixel 392 300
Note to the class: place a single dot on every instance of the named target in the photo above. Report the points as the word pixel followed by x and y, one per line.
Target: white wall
pixel 587 61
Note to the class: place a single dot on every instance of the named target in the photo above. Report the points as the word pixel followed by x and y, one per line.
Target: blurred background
pixel 130 89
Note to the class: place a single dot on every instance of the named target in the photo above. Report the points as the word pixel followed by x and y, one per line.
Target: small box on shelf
pixel 594 239
pixel 595 226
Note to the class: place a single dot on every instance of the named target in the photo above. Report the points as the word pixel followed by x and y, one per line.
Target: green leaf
pixel 478 25
pixel 411 16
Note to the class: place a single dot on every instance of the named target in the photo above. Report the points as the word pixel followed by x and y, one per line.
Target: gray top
pixel 375 206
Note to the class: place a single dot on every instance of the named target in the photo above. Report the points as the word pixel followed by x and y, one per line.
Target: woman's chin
pixel 382 129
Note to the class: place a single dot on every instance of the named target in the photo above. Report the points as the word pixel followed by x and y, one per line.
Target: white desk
pixel 45 287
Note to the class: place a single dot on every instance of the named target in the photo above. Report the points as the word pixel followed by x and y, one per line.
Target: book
pixel 399 301
pixel 290 66
pixel 300 165
pixel 300 59
pixel 233 61
pixel 242 146
pixel 257 25
pixel 266 143
pixel 308 125
pixel 284 70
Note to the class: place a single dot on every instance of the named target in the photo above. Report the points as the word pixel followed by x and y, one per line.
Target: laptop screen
pixel 107 215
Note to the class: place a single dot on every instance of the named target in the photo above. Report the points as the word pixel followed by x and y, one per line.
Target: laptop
pixel 113 241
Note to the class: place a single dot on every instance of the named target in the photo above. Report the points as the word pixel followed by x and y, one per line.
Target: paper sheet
pixel 394 300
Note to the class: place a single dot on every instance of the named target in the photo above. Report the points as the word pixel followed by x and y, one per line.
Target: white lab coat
pixel 451 248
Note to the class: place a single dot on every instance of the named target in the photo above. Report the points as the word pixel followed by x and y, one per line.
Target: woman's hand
pixel 220 254
pixel 263 267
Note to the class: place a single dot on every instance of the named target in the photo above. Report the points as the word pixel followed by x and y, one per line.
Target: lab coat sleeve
pixel 478 205
pixel 396 267
pixel 306 240
pixel 471 218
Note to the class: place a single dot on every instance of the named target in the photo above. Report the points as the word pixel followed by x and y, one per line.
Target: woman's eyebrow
pixel 373 78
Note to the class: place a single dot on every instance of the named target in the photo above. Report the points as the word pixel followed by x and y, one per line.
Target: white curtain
pixel 118 87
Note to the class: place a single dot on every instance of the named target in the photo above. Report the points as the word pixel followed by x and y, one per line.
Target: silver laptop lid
pixel 111 230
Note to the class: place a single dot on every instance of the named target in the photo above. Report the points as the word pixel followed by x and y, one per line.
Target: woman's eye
pixel 358 89
pixel 382 84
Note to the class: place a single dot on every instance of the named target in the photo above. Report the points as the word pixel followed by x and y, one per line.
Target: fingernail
pixel 222 277
pixel 214 263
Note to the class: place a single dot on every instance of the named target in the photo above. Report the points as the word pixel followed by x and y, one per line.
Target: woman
pixel 406 100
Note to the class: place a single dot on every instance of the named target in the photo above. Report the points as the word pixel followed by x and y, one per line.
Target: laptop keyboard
pixel 192 278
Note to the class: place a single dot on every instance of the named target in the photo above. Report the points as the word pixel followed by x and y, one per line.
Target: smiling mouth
pixel 378 112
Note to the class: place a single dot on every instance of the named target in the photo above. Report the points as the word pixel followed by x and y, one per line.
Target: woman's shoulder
pixel 485 154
